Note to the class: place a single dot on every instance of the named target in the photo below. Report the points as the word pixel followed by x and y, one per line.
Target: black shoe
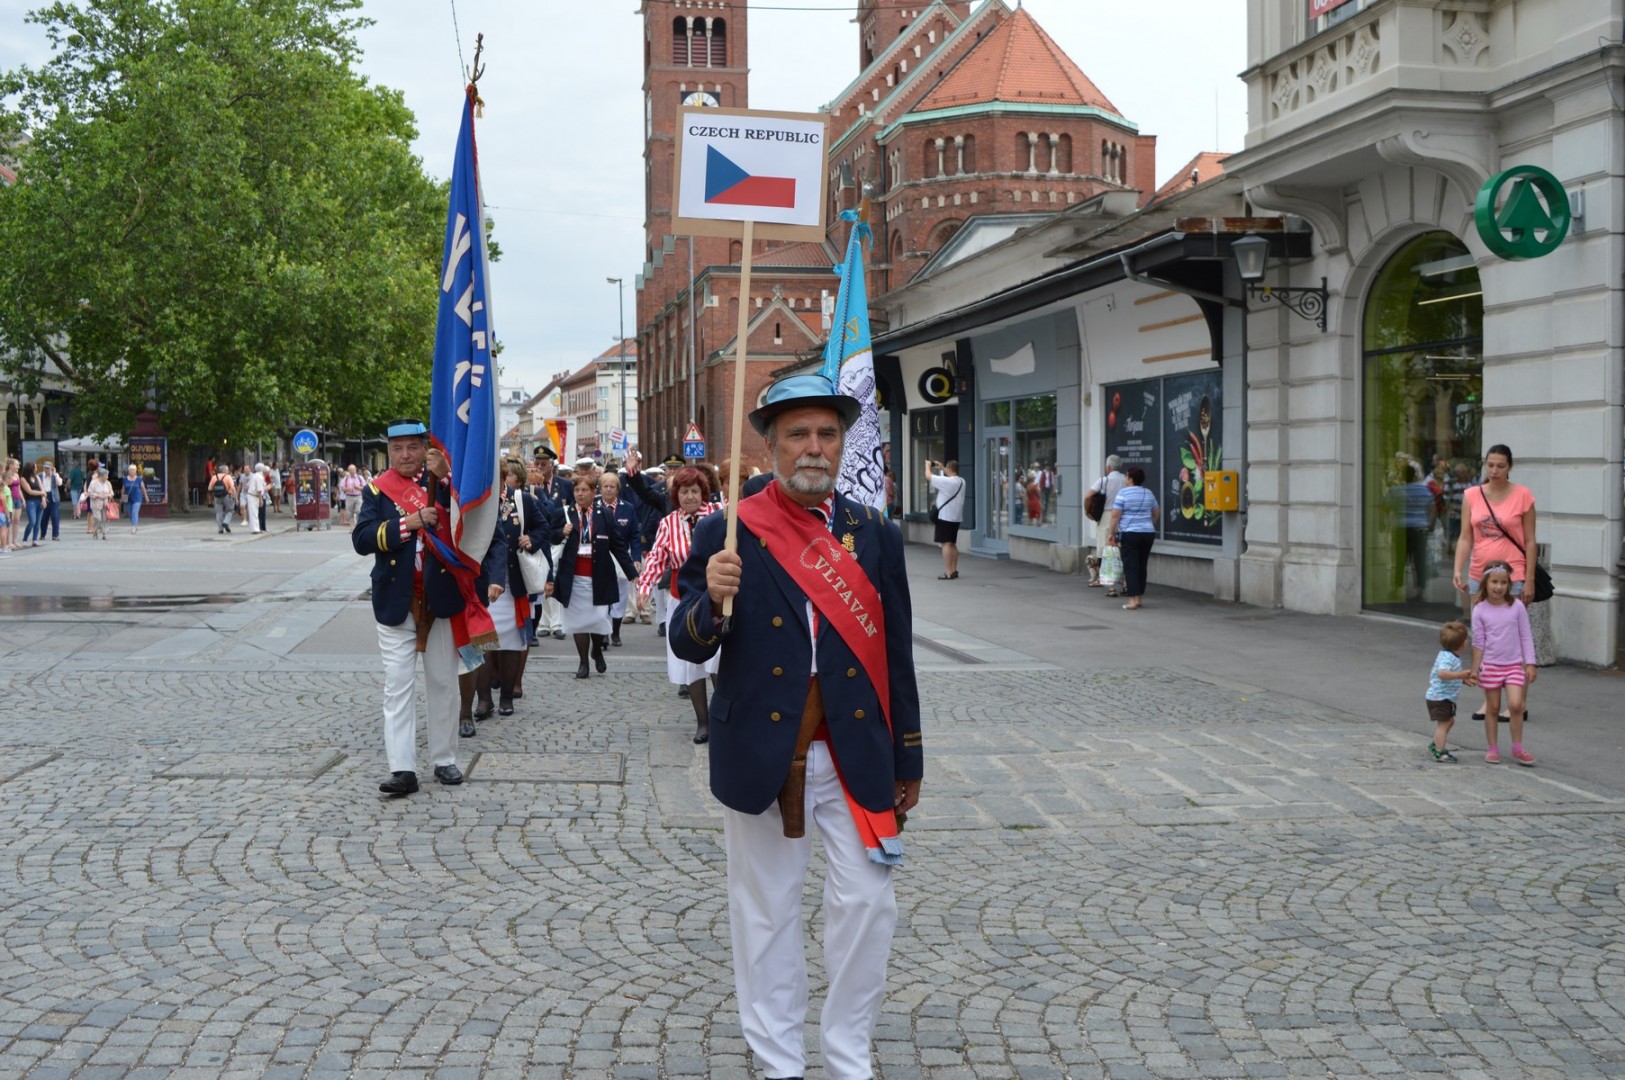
pixel 682 691
pixel 505 709
pixel 518 694
pixel 400 783
pixel 598 661
pixel 466 728
pixel 615 639
pixel 582 672
pixel 559 634
pixel 450 775
pixel 702 736
pixel 660 631
pixel 483 710
pixel 530 643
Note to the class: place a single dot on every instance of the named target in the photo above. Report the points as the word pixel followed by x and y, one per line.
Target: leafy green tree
pixel 216 218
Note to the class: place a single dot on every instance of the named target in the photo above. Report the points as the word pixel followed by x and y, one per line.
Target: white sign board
pixel 738 165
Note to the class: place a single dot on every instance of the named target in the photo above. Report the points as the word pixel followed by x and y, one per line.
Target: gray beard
pixel 803 484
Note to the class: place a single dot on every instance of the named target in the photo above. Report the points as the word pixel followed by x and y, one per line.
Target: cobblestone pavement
pixel 1127 872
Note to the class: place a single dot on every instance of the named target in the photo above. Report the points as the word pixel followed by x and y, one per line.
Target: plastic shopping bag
pixel 1111 567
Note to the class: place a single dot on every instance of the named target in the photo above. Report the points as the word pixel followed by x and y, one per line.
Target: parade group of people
pixel 803 630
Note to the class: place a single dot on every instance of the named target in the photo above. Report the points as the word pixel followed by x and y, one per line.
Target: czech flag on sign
pixel 463 394
pixel 727 184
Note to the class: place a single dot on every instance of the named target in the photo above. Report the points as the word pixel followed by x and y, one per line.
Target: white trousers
pixel 765 877
pixel 251 506
pixel 552 612
pixel 399 647
pixel 662 605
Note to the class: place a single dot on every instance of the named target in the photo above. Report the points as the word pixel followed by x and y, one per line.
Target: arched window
pixel 681 42
pixel 942 234
pixel 896 248
pixel 970 153
pixel 928 159
pixel 1423 406
pixel 736 253
pixel 719 43
pixel 1064 154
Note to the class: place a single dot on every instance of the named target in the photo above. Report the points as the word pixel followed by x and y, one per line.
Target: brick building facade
pixel 959 111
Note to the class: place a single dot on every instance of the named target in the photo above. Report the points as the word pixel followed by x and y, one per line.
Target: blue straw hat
pixel 801 391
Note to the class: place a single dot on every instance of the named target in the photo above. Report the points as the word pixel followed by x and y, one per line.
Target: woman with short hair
pixel 690 489
pixel 1133 531
pixel 584 579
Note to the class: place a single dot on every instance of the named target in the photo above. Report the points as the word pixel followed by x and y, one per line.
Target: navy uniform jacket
pixel 537 526
pixel 629 525
pixel 378 533
pixel 763 679
pixel 608 548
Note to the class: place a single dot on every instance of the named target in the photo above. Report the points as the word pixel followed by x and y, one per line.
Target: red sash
pixel 472 630
pixel 843 596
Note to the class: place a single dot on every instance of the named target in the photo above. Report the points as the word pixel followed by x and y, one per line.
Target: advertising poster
pixel 1191 445
pixel 150 454
pixel 1134 425
pixel 38 450
pixel 1317 8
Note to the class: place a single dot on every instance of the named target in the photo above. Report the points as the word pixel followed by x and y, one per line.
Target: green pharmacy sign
pixel 1522 213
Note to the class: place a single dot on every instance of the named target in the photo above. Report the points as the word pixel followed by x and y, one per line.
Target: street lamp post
pixel 620 292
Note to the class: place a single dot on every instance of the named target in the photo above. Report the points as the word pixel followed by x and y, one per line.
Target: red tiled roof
pixel 1016 62
pixel 7 175
pixel 807 254
pixel 614 351
pixel 1208 165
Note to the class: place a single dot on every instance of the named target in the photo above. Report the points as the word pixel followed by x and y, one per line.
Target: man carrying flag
pixel 430 519
pixel 849 365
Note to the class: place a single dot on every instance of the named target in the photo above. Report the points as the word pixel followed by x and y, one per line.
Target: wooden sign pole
pixel 737 434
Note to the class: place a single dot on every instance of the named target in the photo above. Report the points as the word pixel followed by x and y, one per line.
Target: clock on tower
pixel 701 99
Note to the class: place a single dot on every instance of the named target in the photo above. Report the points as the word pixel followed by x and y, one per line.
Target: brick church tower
pixel 881 22
pixel 695 54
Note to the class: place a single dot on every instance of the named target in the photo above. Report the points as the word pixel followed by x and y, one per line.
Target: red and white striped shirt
pixel 673 538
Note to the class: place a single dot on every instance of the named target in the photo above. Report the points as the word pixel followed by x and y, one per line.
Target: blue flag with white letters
pixel 849 364
pixel 463 395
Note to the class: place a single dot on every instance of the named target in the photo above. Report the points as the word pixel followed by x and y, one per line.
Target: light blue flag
pixel 849 364
pixel 463 393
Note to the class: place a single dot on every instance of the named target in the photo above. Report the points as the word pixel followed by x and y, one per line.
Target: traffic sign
pixel 617 439
pixel 304 441
pixel 693 448
pixel 693 433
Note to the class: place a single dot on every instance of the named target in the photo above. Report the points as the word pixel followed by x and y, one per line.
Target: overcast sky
pixel 561 141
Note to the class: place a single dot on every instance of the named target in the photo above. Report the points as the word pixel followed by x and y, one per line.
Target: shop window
pixel 1033 469
pixel 1421 436
pixel 928 434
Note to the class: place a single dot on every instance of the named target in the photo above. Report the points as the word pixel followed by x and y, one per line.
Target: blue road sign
pixel 693 449
pixel 304 441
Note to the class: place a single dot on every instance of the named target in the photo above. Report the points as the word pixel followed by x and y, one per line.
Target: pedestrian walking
pixel 553 495
pixel 1503 658
pixel 584 578
pixel 1444 684
pixel 416 600
pixel 819 586
pixel 223 494
pixel 673 539
pixel 1135 513
pixel 133 495
pixel 100 492
pixel 76 487
pixel 524 529
pixel 33 502
pixel 1097 508
pixel 50 481
pixel 1498 525
pixel 252 495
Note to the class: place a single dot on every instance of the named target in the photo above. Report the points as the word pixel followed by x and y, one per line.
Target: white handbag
pixel 531 563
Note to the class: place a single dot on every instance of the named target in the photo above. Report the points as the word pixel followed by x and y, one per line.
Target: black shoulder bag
pixel 1543 580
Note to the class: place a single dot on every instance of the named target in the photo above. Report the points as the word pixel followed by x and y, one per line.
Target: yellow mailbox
pixel 1221 490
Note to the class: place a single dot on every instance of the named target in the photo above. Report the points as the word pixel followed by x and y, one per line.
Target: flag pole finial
pixel 475 71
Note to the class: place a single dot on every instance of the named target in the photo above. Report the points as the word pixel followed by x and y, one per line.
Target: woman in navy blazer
pixel 584 580
pixel 524 527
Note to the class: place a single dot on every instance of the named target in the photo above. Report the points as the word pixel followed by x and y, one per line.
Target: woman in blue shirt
pixel 1133 529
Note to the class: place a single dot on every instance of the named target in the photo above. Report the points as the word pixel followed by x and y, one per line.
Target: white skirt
pixel 617 610
pixel 510 638
pixel 583 616
pixel 681 672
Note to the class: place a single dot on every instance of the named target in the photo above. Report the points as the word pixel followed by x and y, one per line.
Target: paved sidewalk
pixel 1193 841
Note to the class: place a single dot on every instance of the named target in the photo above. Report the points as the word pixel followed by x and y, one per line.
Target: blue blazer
pixel 608 548
pixel 537 527
pixel 378 533
pixel 763 679
pixel 629 524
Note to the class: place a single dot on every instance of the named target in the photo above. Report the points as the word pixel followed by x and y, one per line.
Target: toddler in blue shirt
pixel 1444 684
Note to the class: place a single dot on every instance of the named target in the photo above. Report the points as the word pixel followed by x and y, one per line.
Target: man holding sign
pixel 817 719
